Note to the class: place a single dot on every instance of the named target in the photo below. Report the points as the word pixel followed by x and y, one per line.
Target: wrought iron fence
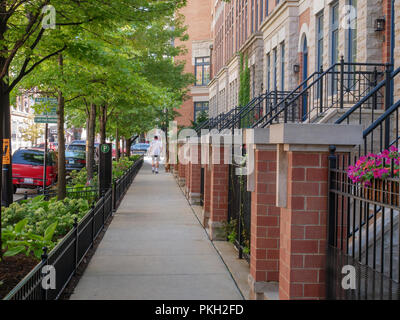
pixel 69 254
pixel 239 212
pixel 122 185
pixel 363 231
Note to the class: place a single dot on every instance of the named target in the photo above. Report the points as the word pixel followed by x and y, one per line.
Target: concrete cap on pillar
pixel 316 134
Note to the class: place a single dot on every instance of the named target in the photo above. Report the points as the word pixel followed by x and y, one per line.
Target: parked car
pixel 79 142
pixel 75 157
pixel 28 168
pixel 140 148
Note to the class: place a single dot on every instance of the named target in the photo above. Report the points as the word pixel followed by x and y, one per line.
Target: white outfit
pixel 155 150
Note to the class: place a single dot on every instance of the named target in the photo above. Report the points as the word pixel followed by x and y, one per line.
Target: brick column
pixel 219 186
pixel 194 172
pixel 302 195
pixel 207 195
pixel 264 244
pixel 264 260
pixel 181 166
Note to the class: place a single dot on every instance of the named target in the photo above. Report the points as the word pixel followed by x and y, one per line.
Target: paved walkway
pixel 155 249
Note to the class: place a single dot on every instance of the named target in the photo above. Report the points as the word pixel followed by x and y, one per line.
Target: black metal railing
pixel 245 117
pixel 122 184
pixel 89 193
pixel 363 232
pixel 69 254
pixel 239 212
pixel 339 87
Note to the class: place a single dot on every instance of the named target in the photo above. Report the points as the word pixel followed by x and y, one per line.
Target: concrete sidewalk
pixel 155 249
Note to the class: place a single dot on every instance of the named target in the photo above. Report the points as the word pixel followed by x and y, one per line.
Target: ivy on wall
pixel 244 89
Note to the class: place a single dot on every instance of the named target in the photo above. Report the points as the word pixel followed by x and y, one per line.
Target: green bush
pixel 41 214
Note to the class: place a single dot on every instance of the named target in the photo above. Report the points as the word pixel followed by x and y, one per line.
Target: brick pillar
pixel 304 227
pixel 181 166
pixel 207 194
pixel 218 193
pixel 302 195
pixel 195 174
pixel 264 260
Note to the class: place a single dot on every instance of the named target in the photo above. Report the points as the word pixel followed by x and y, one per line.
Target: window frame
pixel 202 65
pixel 200 109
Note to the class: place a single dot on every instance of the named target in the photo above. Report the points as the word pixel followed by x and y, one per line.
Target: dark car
pixel 140 148
pixel 79 142
pixel 75 157
pixel 28 168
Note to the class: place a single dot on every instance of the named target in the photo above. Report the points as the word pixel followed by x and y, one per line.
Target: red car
pixel 28 168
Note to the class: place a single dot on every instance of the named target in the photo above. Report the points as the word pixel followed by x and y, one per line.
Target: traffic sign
pixel 45 119
pixel 105 148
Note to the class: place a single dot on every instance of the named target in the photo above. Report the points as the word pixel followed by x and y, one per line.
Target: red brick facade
pixel 264 261
pixel 303 227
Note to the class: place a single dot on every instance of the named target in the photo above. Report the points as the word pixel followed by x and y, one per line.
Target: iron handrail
pixel 379 86
pixel 241 111
pixel 290 94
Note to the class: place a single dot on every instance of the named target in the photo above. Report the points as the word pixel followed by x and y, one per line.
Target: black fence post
pixel 330 272
pixel 76 243
pixel 388 102
pixel 374 84
pixel 321 91
pixel 45 258
pixel 341 83
pixel 331 196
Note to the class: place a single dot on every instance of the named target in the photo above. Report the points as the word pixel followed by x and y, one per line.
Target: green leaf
pixel 14 251
pixel 48 234
pixel 20 225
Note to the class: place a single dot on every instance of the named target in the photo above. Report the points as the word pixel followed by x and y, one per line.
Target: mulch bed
pixel 13 270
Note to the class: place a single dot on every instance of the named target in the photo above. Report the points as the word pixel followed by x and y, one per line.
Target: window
pixel 352 33
pixel 334 42
pixel 335 34
pixel 268 72
pixel 283 66
pixel 252 16
pixel 320 40
pixel 256 15
pixel 320 47
pixel 202 71
pixel 266 8
pixel 200 107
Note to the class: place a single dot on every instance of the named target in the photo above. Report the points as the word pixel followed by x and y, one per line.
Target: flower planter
pixel 382 191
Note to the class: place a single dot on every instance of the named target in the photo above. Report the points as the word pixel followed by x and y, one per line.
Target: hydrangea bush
pixel 374 167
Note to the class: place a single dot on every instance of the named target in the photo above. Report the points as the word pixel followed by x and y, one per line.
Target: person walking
pixel 155 152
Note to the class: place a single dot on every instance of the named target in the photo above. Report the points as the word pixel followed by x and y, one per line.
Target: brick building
pixel 324 89
pixel 287 41
pixel 198 21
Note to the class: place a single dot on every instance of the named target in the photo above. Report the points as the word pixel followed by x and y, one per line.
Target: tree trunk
pixel 90 141
pixel 128 146
pixel 62 185
pixel 117 151
pixel 103 123
pixel 124 147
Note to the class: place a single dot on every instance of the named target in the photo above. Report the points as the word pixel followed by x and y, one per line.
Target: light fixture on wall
pixel 380 24
pixel 296 68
